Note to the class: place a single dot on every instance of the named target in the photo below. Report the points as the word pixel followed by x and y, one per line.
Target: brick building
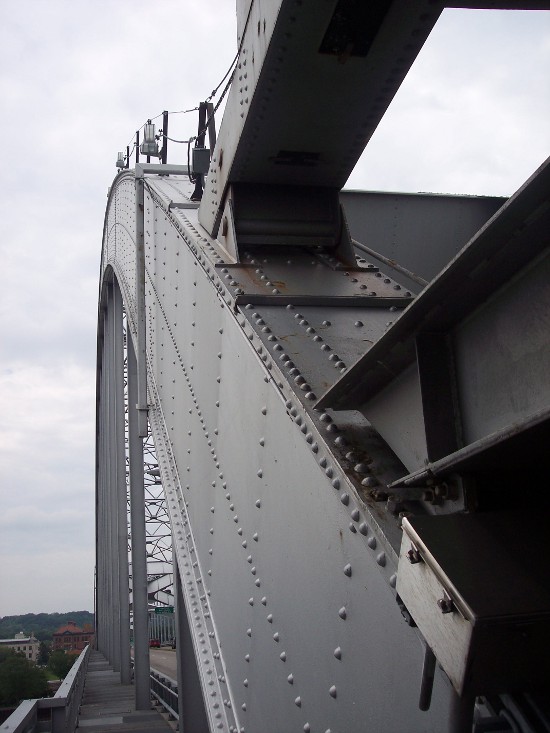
pixel 71 638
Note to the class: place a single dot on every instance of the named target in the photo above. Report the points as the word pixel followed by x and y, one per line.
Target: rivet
pixel 352 528
pixel 332 692
pixel 243 706
pixel 298 702
pixel 282 656
pixel 381 559
pixel 363 528
pixel 371 542
pixel 307 728
pixel 370 481
pixel 260 473
pixel 258 503
pixel 361 468
pixel 344 499
pixel 245 683
pixel 264 601
pixel 247 657
pixel 270 618
pixel 343 613
pixel 290 679
pixel 276 636
pixel 355 515
pixel 393 580
pixel 244 543
pixel 347 570
pixel 250 601
pixel 338 653
pixel 249 632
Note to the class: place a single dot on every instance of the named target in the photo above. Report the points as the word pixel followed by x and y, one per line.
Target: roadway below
pixel 164 661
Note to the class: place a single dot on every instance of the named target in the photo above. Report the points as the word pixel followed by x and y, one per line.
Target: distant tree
pixel 60 662
pixel 20 679
pixel 43 653
pixel 42 625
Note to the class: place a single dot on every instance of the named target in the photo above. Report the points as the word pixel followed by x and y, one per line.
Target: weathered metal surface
pixel 277 122
pixel 420 231
pixel 286 514
pixel 489 628
pixel 495 335
pixel 265 505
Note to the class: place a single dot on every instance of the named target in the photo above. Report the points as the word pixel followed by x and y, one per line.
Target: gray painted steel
pixel 420 231
pixel 282 561
pixel 303 402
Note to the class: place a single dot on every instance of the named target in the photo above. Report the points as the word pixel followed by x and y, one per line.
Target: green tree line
pixel 42 625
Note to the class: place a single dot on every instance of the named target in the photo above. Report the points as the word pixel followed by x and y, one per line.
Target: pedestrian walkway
pixel 108 705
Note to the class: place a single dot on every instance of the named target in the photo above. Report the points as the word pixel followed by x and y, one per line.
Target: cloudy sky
pixel 77 78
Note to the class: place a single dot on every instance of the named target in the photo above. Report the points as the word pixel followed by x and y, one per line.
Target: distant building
pixel 71 638
pixel 24 644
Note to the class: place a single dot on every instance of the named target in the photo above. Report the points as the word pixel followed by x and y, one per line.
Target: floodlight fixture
pixel 149 145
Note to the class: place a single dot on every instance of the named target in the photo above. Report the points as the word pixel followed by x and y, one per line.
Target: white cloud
pixel 471 117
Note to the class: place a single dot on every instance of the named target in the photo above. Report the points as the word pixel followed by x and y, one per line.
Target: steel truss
pixel 336 440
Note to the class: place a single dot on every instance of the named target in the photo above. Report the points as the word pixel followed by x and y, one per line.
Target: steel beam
pixel 120 488
pixel 192 714
pixel 137 523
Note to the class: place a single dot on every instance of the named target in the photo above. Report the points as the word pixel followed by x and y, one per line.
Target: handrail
pixel 165 690
pixel 63 706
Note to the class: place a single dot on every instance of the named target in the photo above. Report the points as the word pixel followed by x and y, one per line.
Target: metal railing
pixel 63 707
pixel 165 690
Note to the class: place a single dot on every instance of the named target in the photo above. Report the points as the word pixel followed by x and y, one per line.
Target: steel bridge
pixel 344 400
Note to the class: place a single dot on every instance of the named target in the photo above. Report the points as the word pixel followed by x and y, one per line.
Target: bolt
pixel 414 556
pixel 445 605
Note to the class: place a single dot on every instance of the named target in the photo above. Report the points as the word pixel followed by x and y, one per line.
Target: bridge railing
pixel 63 707
pixel 165 691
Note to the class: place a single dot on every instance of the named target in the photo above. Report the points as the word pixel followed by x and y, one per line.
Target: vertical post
pixel 114 565
pixel 141 348
pixel 164 153
pixel 211 126
pixel 137 147
pixel 127 156
pixel 98 509
pixel 137 520
pixel 192 712
pixel 199 181
pixel 111 616
pixel 121 506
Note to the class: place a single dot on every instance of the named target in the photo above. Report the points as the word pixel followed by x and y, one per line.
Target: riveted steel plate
pixel 296 274
pixel 284 565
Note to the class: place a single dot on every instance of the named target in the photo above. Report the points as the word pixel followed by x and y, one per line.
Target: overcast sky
pixel 77 78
